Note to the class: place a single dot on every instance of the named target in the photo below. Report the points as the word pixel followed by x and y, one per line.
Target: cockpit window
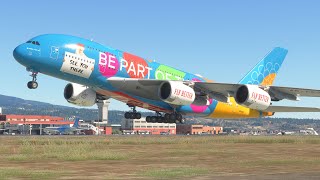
pixel 34 42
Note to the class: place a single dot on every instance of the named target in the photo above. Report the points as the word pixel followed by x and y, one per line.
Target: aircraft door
pixel 54 52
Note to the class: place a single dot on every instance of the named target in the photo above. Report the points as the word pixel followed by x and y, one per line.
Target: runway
pixel 164 157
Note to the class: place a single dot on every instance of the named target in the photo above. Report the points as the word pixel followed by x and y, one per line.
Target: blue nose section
pixel 19 53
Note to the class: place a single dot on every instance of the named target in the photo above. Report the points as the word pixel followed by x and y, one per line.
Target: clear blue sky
pixel 221 40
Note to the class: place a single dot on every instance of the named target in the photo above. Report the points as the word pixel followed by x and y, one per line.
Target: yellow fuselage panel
pixel 234 110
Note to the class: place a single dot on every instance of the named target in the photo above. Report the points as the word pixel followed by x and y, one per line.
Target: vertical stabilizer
pixel 76 122
pixel 265 72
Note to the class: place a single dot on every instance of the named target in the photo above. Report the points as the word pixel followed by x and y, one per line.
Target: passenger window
pixel 37 43
pixel 33 42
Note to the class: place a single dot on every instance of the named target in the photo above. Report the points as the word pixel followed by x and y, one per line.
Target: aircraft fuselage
pixel 89 63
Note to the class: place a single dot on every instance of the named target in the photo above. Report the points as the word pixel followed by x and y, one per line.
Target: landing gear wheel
pixel 179 117
pixel 32 85
pixel 182 121
pixel 162 120
pixel 159 119
pixel 127 115
pixel 165 120
pixel 138 115
pixel 148 119
pixel 172 117
pixel 167 117
pixel 29 85
pixel 172 121
pixel 153 119
pixel 132 115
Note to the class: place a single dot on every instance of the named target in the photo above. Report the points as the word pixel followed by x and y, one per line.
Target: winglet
pixel 266 70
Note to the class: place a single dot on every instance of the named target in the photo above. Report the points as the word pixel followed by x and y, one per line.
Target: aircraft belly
pixel 233 110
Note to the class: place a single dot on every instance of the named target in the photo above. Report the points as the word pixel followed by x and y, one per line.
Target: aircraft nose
pixel 18 53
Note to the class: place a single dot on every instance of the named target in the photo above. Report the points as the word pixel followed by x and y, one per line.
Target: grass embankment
pixel 164 157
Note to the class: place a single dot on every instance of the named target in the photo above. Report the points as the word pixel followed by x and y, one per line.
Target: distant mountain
pixel 14 105
pixel 13 101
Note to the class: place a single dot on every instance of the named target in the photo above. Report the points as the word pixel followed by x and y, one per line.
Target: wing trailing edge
pixel 291 109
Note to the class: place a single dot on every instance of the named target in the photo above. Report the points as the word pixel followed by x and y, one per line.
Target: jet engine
pixel 79 95
pixel 176 93
pixel 253 97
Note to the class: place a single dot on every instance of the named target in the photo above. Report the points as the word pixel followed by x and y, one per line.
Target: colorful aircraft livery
pixel 98 72
pixel 135 67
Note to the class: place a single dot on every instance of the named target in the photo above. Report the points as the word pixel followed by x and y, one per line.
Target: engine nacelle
pixel 176 93
pixel 253 97
pixel 80 95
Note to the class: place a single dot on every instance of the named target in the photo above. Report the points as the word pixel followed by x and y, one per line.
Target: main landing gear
pixel 132 115
pixel 33 84
pixel 158 118
pixel 167 118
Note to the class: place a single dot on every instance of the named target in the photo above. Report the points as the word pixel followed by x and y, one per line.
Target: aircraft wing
pixel 225 89
pixel 296 91
pixel 51 130
pixel 291 109
pixel 276 92
pixel 148 88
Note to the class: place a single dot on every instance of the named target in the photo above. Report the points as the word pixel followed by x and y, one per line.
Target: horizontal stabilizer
pixel 291 109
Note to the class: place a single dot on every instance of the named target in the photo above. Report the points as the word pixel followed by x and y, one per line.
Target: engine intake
pixel 79 95
pixel 176 93
pixel 253 97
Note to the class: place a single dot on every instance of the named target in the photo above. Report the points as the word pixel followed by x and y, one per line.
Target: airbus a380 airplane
pixel 98 72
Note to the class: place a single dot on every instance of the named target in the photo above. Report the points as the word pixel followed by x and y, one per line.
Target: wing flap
pixel 296 91
pixel 221 88
pixel 291 109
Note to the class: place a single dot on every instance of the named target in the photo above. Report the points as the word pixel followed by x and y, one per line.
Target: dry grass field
pixel 160 157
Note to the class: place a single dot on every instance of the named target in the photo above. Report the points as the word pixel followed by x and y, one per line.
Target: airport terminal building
pixel 30 124
pixel 29 118
pixel 140 126
pixel 198 129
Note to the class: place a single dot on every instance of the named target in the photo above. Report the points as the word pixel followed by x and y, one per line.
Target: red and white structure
pixel 140 126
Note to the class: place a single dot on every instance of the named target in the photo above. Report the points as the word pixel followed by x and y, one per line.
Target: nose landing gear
pixel 33 84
